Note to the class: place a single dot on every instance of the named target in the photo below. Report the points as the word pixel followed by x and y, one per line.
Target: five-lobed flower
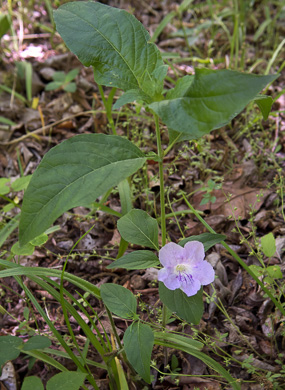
pixel 185 268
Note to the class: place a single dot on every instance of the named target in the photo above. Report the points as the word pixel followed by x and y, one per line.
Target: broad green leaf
pixel 138 344
pixel 37 342
pixel 4 189
pixel 212 100
pixel 274 271
pixel 130 96
pixel 32 382
pixel 264 103
pixel 24 250
pixel 257 270
pixel 268 245
pixel 207 239
pixel 136 260
pixel 114 42
pixel 119 300
pixel 9 348
pixel 137 227
pixel 189 308
pixel 21 183
pixel 75 173
pixel 68 380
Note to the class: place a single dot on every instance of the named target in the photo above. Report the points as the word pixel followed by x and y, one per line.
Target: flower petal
pixel 194 251
pixel 191 287
pixel 171 254
pixel 166 276
pixel 203 272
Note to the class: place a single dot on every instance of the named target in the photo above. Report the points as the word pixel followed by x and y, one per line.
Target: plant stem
pixel 239 260
pixel 162 213
pixel 161 182
pixel 108 106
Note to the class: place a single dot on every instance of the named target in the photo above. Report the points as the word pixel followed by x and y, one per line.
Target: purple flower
pixel 185 268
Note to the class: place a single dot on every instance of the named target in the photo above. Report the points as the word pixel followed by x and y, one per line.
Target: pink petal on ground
pixel 203 272
pixel 171 254
pixel 194 251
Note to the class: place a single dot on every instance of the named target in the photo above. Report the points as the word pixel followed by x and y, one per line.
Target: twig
pixel 47 127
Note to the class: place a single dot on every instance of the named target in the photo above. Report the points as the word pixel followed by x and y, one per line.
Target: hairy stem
pixel 162 213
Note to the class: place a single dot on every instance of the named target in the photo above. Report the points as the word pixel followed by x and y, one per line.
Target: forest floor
pixel 241 328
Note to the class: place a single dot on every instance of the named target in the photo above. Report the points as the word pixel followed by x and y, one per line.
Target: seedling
pixel 63 81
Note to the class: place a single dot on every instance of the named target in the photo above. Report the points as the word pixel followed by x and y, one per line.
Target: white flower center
pixel 182 272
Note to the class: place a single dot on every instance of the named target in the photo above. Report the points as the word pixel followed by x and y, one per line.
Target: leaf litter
pixel 253 332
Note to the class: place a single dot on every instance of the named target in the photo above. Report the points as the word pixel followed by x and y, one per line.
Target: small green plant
pixel 85 167
pixel 63 81
pixel 210 188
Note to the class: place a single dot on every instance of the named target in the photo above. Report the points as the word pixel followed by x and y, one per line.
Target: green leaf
pixel 119 300
pixel 264 103
pixel 69 380
pixel 182 340
pixel 207 239
pixel 130 96
pixel 40 240
pixel 137 227
pixel 59 76
pixel 180 88
pixel 257 270
pixel 24 250
pixel 9 348
pixel 4 189
pixel 212 100
pixel 114 42
pixel 274 272
pixel 8 229
pixel 166 339
pixel 136 260
pixel 15 269
pixel 7 121
pixel 268 245
pixel 37 342
pixel 75 173
pixel 4 24
pixel 189 308
pixel 71 87
pixel 21 183
pixel 32 382
pixel 71 75
pixel 138 344
pixel 53 85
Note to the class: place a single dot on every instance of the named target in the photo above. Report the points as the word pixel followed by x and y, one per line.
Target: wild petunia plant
pixel 85 167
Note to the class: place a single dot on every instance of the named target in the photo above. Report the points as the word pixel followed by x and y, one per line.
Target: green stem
pixel 239 260
pixel 108 106
pixel 161 181
pixel 162 213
